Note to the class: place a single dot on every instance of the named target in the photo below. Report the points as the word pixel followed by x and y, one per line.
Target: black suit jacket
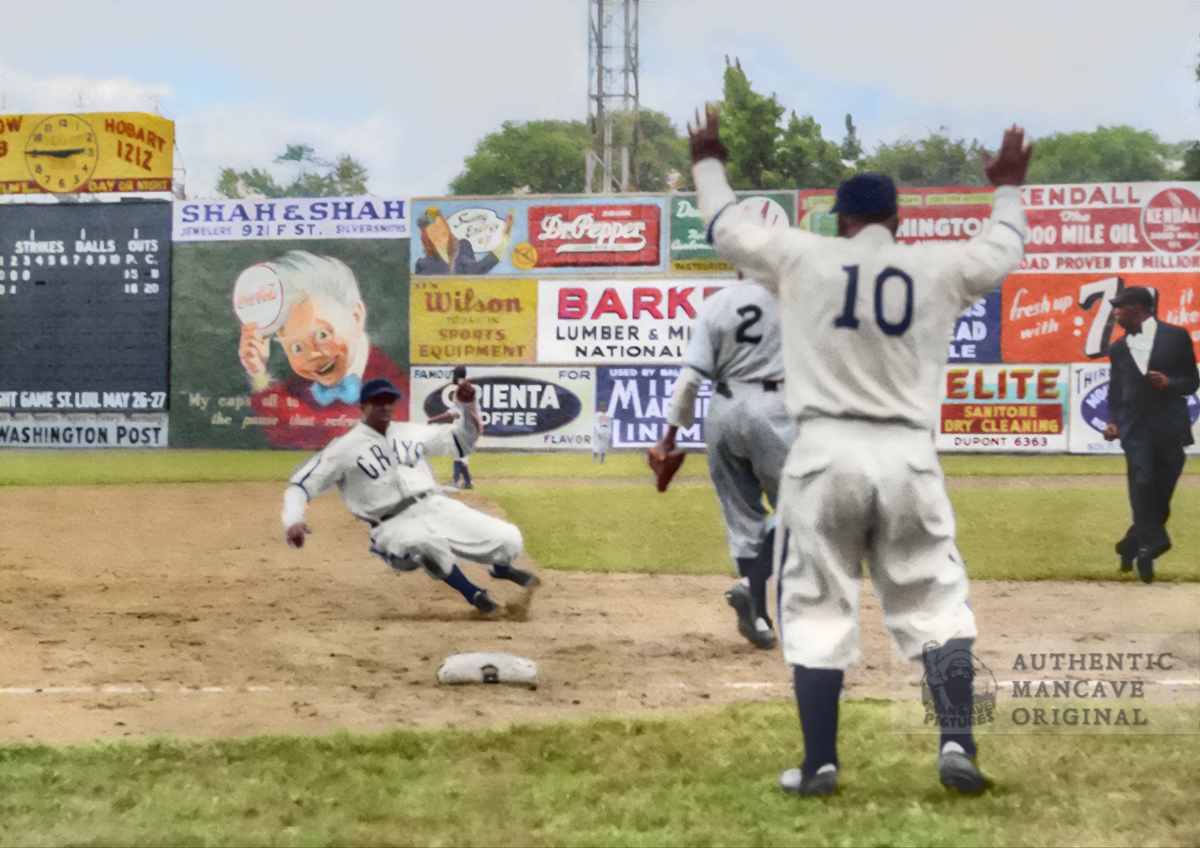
pixel 1131 399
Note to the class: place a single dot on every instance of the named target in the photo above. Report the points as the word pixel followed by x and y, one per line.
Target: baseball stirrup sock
pixel 817 691
pixel 962 735
pixel 459 581
pixel 757 572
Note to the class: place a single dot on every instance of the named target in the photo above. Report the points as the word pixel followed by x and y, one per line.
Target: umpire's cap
pixel 864 194
pixel 375 388
pixel 1135 294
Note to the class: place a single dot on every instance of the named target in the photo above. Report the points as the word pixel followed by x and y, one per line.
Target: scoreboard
pixel 84 318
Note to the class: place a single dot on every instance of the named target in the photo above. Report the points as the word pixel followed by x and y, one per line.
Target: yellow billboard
pixel 472 321
pixel 91 152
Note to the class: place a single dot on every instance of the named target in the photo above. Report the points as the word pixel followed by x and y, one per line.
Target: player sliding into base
pixel 382 475
pixel 865 325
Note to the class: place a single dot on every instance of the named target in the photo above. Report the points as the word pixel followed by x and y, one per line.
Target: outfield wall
pixel 558 304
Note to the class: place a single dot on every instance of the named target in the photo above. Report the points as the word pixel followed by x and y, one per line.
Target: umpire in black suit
pixel 1153 372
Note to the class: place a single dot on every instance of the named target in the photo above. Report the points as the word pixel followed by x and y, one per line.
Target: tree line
pixel 765 152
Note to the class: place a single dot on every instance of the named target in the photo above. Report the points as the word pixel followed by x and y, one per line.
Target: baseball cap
pixel 460 372
pixel 375 388
pixel 864 194
pixel 1134 294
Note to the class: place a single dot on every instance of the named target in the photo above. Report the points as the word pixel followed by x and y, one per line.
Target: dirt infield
pixel 177 609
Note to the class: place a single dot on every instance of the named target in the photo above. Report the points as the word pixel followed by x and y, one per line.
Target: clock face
pixel 61 153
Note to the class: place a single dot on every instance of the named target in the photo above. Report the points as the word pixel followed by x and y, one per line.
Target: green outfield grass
pixel 64 468
pixel 1004 534
pixel 695 778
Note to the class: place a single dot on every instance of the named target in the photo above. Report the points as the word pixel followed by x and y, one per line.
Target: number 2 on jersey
pixel 752 314
pixel 848 321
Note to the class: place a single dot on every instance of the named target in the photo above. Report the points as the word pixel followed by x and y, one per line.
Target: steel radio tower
pixel 612 85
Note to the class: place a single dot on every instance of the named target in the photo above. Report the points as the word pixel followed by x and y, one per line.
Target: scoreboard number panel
pixel 85 307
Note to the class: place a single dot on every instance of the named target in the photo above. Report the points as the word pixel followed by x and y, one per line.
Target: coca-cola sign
pixel 625 235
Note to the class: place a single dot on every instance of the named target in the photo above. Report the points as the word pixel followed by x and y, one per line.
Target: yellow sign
pixel 92 152
pixel 472 321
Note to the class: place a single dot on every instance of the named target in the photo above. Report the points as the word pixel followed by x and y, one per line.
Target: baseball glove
pixel 664 465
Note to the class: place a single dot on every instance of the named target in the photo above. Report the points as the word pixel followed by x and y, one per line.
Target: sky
pixel 409 88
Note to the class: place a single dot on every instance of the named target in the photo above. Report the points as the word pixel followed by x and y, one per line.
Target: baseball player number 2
pixel 848 321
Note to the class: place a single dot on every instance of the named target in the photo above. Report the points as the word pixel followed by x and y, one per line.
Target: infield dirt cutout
pixel 178 609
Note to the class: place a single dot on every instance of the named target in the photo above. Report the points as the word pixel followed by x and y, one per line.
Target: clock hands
pixel 57 154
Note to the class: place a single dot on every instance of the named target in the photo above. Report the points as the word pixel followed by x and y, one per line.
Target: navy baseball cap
pixel 1134 294
pixel 864 194
pixel 460 372
pixel 375 388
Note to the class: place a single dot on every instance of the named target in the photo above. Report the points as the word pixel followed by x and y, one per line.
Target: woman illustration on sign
pixel 313 306
pixel 445 253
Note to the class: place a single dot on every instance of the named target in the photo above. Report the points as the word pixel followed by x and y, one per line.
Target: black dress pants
pixel 1154 461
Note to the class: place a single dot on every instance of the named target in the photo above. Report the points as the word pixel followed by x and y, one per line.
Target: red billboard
pixel 617 235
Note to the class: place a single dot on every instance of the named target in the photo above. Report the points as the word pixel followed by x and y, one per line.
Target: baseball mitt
pixel 664 465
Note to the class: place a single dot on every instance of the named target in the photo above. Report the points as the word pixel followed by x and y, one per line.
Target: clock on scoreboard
pixel 84 306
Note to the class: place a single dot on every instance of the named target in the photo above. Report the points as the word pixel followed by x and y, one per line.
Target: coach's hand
pixel 705 140
pixel 1010 164
pixel 296 534
pixel 466 392
pixel 1158 380
pixel 1111 431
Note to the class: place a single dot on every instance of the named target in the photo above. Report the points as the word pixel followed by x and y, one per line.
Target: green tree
pixel 546 156
pixel 764 155
pixel 851 149
pixel 934 161
pixel 342 178
pixel 1110 154
pixel 658 153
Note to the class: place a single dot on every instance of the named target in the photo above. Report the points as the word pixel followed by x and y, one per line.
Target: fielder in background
pixel 381 473
pixel 462 470
pixel 736 344
pixel 1153 372
pixel 601 433
pixel 865 327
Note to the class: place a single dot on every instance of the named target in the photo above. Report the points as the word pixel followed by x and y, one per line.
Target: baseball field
pixel 174 674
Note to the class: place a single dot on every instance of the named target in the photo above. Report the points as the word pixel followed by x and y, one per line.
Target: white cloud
pixel 23 92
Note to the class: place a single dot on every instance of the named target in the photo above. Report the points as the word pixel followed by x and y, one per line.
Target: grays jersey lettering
pixel 737 335
pixel 373 473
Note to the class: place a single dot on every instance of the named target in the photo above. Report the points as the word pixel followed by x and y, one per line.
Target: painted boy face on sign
pixel 320 338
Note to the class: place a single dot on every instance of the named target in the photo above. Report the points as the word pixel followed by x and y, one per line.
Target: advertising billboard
pixel 84 304
pixel 690 251
pixel 638 400
pixel 88 152
pixel 271 338
pixel 469 320
pixel 627 321
pixel 1089 411
pixel 521 407
pixel 508 235
pixel 996 408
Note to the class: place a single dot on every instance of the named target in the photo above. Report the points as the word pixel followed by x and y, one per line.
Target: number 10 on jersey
pixel 849 321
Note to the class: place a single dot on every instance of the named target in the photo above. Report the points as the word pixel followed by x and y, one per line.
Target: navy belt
pixel 399 508
pixel 722 388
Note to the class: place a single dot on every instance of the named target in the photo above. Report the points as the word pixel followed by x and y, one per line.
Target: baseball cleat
pixel 756 629
pixel 1145 566
pixel 484 603
pixel 1126 559
pixel 794 781
pixel 522 578
pixel 958 772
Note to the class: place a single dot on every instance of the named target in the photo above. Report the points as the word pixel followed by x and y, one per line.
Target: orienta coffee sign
pixel 520 407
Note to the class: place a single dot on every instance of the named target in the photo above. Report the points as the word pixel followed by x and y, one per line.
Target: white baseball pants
pixel 437 530
pixel 855 490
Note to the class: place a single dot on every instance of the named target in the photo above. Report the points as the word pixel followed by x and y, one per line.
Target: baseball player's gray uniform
pixel 385 481
pixel 736 344
pixel 866 323
pixel 601 433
